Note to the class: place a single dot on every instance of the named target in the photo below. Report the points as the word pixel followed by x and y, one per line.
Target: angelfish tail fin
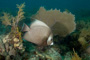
pixel 25 28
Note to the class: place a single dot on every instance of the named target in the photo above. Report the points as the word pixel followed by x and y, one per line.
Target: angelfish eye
pixel 51 39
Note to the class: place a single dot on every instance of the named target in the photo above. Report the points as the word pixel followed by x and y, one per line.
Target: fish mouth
pixel 52 43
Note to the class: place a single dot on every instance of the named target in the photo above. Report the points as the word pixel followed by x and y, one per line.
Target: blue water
pixel 71 5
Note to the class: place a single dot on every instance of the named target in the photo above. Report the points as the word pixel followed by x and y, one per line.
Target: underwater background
pixel 74 46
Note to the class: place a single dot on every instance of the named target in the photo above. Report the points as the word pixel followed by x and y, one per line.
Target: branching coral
pixel 62 23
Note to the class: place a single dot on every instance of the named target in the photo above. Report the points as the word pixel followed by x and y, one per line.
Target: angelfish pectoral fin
pixel 25 28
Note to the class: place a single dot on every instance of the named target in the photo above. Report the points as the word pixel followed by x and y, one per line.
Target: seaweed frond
pixel 75 56
pixel 84 37
pixel 6 19
pixel 20 14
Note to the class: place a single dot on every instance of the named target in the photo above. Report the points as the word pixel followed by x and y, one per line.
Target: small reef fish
pixel 38 33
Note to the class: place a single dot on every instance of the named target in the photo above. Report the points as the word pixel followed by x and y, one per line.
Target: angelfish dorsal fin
pixel 25 27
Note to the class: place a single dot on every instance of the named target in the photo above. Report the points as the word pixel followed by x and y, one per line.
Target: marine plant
pixel 83 26
pixel 6 19
pixel 84 39
pixel 75 56
pixel 11 44
pixel 83 22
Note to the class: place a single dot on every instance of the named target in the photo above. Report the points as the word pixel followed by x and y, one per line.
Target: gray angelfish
pixel 38 33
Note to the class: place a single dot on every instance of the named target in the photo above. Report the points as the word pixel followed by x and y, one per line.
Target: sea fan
pixel 61 23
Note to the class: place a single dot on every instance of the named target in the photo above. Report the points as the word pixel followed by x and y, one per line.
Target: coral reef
pixel 13 47
pixel 68 56
pixel 10 47
pixel 11 44
pixel 50 54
